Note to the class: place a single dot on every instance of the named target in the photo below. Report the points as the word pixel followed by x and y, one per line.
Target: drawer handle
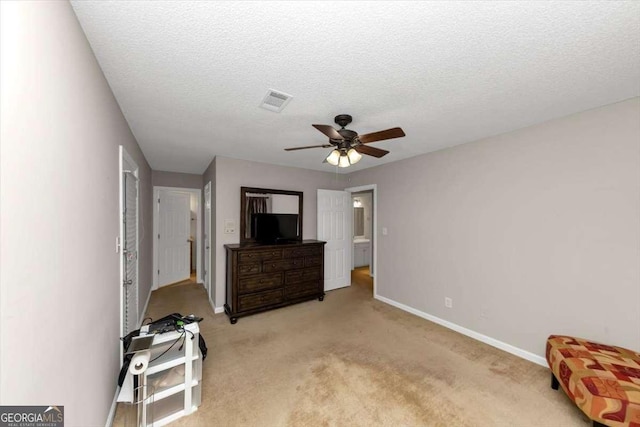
pixel 274 253
pixel 250 255
pixel 273 265
pixel 261 280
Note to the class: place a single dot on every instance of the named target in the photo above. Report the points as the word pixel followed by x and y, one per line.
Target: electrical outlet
pixel 229 226
pixel 448 302
pixel 384 231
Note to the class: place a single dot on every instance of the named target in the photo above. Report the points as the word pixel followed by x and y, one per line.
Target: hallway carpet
pixel 355 361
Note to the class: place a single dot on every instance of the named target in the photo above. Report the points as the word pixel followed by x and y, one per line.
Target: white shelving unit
pixel 175 376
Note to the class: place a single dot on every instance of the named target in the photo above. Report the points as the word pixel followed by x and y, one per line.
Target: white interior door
pixel 130 252
pixel 129 242
pixel 334 227
pixel 207 239
pixel 174 223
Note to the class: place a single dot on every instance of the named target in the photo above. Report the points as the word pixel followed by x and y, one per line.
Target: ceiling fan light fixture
pixel 347 146
pixel 344 161
pixel 333 158
pixel 354 156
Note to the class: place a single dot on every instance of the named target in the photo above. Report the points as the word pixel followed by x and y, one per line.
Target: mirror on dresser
pixel 265 200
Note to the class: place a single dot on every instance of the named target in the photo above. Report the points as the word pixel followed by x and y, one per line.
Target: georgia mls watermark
pixel 31 416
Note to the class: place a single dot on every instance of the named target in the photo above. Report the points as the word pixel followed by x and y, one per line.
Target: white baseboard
pixel 538 360
pixel 216 310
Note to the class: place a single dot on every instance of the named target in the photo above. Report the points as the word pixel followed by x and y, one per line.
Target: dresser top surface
pixel 253 245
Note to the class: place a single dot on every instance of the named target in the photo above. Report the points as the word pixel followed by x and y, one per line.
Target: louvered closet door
pixel 130 253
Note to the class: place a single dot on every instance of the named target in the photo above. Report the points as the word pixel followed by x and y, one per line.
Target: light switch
pixel 229 226
pixel 384 231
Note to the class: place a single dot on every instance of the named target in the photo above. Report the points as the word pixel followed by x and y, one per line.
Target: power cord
pixel 183 333
pixel 170 347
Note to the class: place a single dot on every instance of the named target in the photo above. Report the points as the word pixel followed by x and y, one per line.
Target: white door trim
pixel 198 193
pixel 374 247
pixel 207 219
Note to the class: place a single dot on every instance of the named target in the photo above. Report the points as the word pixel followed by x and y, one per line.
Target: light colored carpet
pixel 354 361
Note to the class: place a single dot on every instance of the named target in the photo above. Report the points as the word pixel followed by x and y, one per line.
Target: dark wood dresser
pixel 264 277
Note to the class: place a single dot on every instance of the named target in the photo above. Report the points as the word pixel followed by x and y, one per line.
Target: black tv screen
pixel 274 228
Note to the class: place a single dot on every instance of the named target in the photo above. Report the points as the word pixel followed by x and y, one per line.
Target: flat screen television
pixel 275 228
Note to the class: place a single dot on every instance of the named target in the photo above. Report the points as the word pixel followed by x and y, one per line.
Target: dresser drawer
pixel 302 289
pixel 247 269
pixel 259 283
pixel 301 252
pixel 260 299
pixel 252 256
pixel 305 275
pixel 283 264
pixel 313 260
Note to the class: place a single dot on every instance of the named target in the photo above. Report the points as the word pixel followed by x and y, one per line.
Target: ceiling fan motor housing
pixel 343 119
pixel 347 134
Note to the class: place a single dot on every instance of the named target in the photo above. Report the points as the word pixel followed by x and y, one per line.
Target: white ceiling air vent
pixel 275 100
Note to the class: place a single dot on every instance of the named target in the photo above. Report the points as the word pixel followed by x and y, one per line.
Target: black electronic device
pixel 162 326
pixel 139 343
pixel 191 318
pixel 273 228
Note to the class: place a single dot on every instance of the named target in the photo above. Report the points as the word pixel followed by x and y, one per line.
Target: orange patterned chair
pixel 604 381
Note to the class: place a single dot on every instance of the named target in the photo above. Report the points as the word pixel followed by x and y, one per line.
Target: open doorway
pixel 363 203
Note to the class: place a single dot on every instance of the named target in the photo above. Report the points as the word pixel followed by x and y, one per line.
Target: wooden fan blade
pixel 381 135
pixel 308 146
pixel 329 131
pixel 372 151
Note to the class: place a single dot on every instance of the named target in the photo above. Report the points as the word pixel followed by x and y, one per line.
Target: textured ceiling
pixel 189 75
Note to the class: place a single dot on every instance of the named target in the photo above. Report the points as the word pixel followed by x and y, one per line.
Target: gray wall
pixel 532 232
pixel 175 179
pixel 59 293
pixel 231 174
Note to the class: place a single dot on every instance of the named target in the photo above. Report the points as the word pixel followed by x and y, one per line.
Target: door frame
pixel 374 246
pixel 122 157
pixel 207 219
pixel 198 193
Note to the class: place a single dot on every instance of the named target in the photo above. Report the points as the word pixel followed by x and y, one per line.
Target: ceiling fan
pixel 348 145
